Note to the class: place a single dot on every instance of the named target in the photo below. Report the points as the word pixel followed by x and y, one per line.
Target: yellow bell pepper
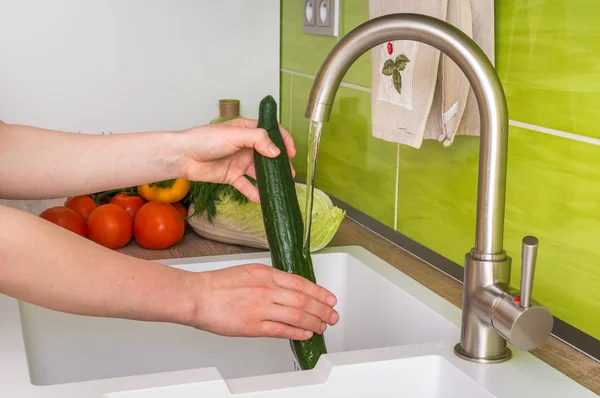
pixel 169 191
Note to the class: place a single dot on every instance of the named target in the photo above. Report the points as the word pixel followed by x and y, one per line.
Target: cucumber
pixel 284 225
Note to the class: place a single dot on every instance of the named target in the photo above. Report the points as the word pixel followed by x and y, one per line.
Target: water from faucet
pixel 314 137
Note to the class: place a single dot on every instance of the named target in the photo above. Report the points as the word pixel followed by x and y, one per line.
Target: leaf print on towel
pixel 393 72
pixel 393 68
pixel 397 79
pixel 388 67
pixel 401 61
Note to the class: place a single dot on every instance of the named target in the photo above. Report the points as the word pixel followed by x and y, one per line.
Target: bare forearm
pixel 41 164
pixel 46 265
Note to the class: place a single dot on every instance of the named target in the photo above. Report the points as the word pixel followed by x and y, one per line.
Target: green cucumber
pixel 283 222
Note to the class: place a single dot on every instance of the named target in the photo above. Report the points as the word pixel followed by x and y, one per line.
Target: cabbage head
pixel 234 221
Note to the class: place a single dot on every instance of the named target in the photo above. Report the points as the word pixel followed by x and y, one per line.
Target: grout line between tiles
pixel 397 186
pixel 532 127
pixel 558 133
pixel 343 84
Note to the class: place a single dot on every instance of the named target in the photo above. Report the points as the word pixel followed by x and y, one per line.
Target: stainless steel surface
pixel 484 282
pixel 528 258
pixel 526 328
pixel 487 322
pixel 458 350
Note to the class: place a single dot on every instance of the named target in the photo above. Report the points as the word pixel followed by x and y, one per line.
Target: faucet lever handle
pixel 528 258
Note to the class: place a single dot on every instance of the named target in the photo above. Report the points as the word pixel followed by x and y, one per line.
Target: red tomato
pixel 183 212
pixel 66 218
pixel 83 205
pixel 158 225
pixel 131 203
pixel 110 225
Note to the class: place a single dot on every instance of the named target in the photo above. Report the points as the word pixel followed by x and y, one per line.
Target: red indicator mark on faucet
pixel 517 299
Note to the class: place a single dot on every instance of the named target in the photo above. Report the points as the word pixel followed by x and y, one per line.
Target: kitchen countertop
pixel 561 356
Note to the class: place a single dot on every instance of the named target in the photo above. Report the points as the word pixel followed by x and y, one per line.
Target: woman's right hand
pixel 224 153
pixel 255 300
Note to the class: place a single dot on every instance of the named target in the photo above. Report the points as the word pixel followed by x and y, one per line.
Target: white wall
pixel 134 65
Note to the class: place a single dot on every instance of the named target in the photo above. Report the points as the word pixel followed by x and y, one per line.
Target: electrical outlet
pixel 309 12
pixel 321 17
pixel 323 13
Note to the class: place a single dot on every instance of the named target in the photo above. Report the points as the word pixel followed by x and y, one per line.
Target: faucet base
pixel 463 355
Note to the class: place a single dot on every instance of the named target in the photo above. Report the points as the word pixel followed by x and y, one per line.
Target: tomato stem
pixel 163 184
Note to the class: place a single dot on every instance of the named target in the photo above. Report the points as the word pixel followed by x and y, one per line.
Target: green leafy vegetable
pixel 223 214
pixel 163 184
pixel 206 195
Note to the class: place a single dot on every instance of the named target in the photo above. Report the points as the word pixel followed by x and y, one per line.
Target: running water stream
pixel 314 136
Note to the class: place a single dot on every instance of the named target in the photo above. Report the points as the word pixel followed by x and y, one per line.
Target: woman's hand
pixel 224 153
pixel 256 300
pixel 69 273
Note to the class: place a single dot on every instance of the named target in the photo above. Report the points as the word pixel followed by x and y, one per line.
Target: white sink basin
pixel 63 348
pixel 426 376
pixel 395 338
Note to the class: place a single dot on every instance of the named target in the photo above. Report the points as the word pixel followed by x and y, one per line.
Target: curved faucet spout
pixel 486 86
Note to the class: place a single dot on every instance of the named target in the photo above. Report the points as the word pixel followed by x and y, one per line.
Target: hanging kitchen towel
pixel 457 105
pixel 404 78
pixel 447 109
pixel 483 34
pixel 455 86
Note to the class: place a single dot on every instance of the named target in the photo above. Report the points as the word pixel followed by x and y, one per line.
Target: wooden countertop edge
pixel 569 361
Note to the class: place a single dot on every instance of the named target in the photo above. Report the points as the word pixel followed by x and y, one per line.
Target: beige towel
pixel 439 103
pixel 404 76
pixel 483 35
pixel 455 86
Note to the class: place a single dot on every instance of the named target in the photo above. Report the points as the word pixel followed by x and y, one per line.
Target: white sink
pixel 395 338
pixel 63 348
pixel 426 376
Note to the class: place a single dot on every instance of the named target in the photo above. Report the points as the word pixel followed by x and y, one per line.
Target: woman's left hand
pixel 224 153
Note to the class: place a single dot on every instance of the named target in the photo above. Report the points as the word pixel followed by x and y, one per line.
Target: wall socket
pixel 321 17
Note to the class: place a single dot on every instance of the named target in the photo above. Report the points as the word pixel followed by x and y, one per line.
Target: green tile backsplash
pixel 285 84
pixel 549 63
pixel 546 59
pixel 304 53
pixel 351 163
pixel 553 192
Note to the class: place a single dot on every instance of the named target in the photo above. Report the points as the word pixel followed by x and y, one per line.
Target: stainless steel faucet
pixel 492 313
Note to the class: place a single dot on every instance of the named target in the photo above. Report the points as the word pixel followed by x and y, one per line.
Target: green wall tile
pixel 302 52
pixel 549 63
pixel 355 12
pixel 284 99
pixel 553 193
pixel 352 165
pixel 300 87
pixel 436 195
